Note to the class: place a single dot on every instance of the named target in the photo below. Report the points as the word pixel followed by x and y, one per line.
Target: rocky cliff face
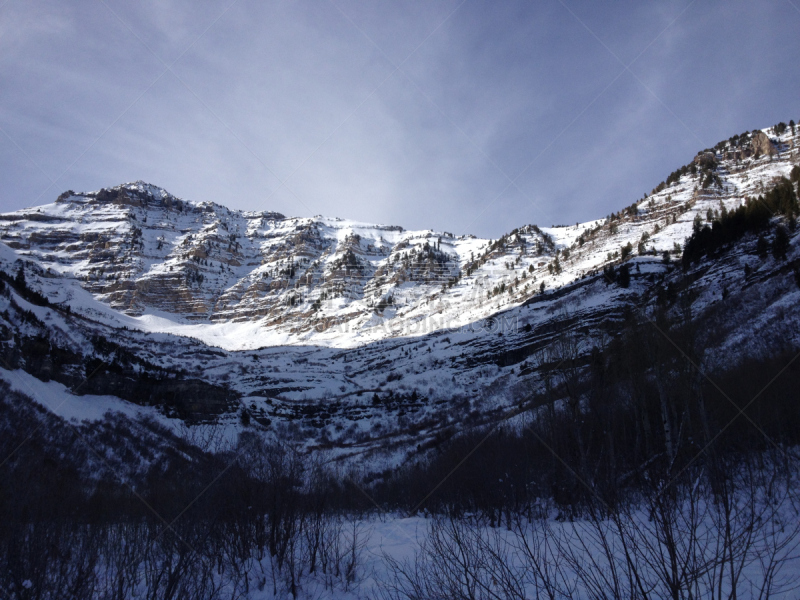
pixel 362 336
pixel 141 250
pixel 138 249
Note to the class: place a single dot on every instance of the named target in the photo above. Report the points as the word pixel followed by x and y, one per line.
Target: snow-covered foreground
pixel 743 550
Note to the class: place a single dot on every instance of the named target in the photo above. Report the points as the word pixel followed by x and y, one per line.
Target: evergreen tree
pixel 609 274
pixel 762 246
pixel 19 280
pixel 794 174
pixel 780 245
pixel 754 216
pixel 624 276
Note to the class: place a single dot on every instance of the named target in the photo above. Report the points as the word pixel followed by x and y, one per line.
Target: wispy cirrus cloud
pixel 311 94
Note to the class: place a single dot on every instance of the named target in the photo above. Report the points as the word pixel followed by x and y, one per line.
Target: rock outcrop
pixel 762 145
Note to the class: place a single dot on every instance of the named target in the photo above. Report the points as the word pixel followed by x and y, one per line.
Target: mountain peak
pixel 139 249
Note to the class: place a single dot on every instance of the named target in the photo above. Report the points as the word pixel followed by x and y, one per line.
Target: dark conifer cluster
pixel 754 216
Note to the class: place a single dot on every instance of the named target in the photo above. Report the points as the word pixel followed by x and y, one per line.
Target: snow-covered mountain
pixel 366 337
pixel 246 280
pixel 142 251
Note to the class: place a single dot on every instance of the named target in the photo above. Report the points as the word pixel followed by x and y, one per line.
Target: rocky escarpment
pixel 355 336
pixel 139 249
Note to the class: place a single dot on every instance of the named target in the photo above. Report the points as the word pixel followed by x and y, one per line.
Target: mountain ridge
pixel 380 381
pixel 149 254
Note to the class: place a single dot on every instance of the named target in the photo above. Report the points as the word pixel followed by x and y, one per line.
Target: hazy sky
pixel 461 116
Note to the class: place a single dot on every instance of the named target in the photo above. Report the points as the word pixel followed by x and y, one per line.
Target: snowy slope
pixel 241 280
pixel 367 340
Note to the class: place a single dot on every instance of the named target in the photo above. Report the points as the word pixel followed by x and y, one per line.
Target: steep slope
pixel 368 339
pixel 264 279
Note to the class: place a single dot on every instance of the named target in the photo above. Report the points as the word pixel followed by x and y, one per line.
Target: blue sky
pixel 467 117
